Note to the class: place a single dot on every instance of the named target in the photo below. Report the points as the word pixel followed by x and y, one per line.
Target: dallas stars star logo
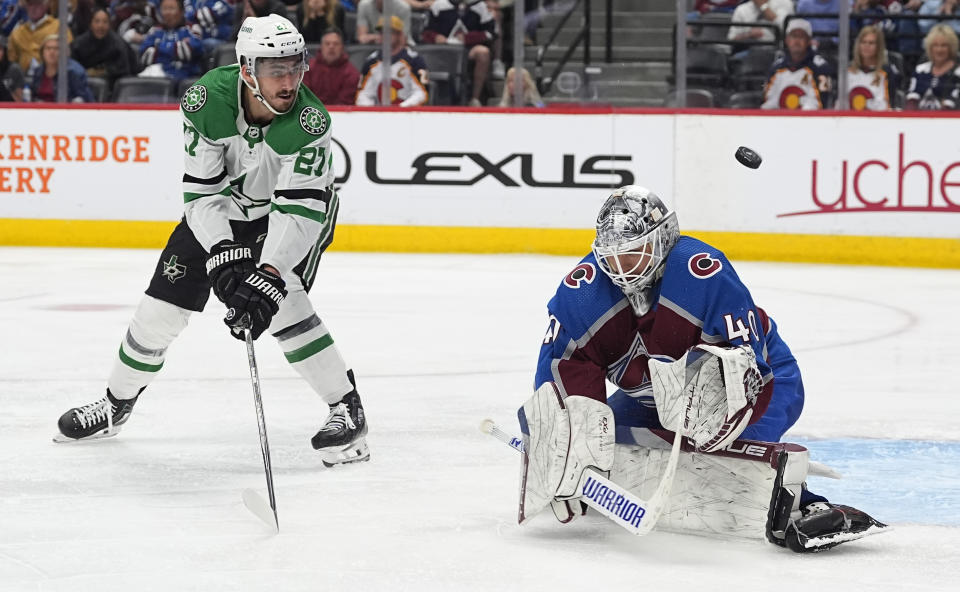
pixel 243 201
pixel 194 98
pixel 313 121
pixel 172 270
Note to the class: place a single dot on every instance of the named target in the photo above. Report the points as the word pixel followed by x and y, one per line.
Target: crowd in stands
pixel 179 40
pixel 782 54
pixel 774 54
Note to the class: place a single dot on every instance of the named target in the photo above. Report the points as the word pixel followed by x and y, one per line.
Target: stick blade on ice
pixel 486 426
pixel 261 509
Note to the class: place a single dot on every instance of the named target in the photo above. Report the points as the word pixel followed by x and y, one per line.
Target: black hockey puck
pixel 748 157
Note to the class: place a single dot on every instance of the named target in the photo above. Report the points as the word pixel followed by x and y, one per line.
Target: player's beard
pixel 283 100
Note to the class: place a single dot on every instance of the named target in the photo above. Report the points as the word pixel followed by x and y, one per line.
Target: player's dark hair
pixel 336 31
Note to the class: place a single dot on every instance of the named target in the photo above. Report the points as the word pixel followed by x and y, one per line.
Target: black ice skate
pixel 821 525
pixel 825 525
pixel 100 419
pixel 342 439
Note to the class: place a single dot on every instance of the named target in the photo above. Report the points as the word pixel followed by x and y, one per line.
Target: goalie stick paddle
pixel 617 503
pixel 488 427
pixel 251 499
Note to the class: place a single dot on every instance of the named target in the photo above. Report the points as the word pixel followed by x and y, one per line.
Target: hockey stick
pixel 253 500
pixel 617 503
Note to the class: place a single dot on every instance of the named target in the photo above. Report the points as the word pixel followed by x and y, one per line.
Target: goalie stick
pixel 617 503
pixel 488 427
pixel 251 499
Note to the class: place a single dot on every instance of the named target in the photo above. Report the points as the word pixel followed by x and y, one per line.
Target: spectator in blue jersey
pixel 936 83
pixel 171 50
pixel 940 8
pixel 11 76
pixel 102 51
pixel 872 12
pixel 316 17
pixel 801 78
pixel 11 15
pixel 43 85
pixel 647 293
pixel 872 81
pixel 408 73
pixel 471 25
pixel 211 21
pixel 824 29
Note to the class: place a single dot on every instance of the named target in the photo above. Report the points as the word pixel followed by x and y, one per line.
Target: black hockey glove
pixel 228 264
pixel 254 302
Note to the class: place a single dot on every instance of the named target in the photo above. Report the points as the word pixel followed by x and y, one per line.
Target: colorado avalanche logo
pixel 583 273
pixel 702 266
pixel 790 97
pixel 860 98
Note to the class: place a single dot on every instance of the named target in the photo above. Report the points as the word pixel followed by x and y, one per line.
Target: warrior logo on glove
pixel 265 287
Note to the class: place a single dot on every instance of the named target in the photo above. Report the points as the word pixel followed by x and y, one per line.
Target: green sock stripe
pixel 138 365
pixel 302 353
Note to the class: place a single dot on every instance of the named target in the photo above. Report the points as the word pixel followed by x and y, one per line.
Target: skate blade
pixel 107 433
pixel 845 537
pixel 352 453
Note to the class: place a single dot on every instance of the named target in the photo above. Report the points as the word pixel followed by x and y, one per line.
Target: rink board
pixel 851 189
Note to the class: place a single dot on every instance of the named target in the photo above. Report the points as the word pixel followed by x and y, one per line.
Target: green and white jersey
pixel 236 171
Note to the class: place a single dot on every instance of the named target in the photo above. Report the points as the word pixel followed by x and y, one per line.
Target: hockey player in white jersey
pixel 260 209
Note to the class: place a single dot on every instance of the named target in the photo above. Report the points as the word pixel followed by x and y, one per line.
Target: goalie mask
pixel 271 47
pixel 635 232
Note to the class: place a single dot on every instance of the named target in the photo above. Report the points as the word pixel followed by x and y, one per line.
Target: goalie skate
pixel 98 420
pixel 342 438
pixel 825 525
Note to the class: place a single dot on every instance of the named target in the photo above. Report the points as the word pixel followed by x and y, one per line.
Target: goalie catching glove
pixel 715 387
pixel 561 439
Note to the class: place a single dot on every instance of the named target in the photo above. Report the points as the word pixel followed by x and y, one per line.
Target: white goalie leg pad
pixel 592 439
pixel 714 387
pixel 154 326
pixel 309 347
pixel 562 438
pixel 727 494
pixel 546 438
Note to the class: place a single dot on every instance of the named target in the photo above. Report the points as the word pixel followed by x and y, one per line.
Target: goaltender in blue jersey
pixel 666 320
pixel 595 334
pixel 408 73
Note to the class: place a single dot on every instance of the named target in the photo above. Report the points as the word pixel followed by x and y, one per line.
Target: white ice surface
pixel 438 343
